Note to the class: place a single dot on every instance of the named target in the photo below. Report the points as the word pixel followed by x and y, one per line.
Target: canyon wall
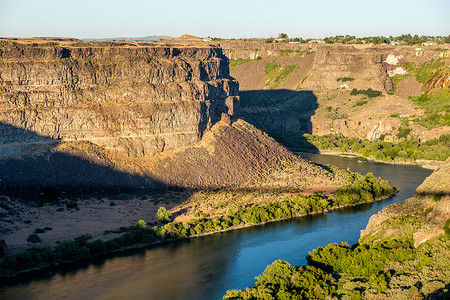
pixel 138 98
pixel 316 81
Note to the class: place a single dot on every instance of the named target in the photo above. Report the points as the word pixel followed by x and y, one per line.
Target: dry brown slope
pixel 237 154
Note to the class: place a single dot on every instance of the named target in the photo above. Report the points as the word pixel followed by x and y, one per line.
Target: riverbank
pixel 428 154
pixel 363 189
pixel 402 253
pixel 423 163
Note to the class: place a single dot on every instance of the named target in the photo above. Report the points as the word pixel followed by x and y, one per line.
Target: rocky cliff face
pixel 101 117
pixel 329 73
pixel 140 99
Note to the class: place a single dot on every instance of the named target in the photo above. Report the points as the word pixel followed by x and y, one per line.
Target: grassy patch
pixel 285 52
pixel 369 93
pixel 396 79
pixel 276 74
pixel 360 103
pixel 334 114
pixel 234 63
pixel 424 71
pixel 437 108
pixel 345 79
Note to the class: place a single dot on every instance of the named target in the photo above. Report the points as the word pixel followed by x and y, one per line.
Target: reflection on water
pixel 204 268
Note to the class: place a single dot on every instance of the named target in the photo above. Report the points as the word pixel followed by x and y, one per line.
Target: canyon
pixel 124 116
pixel 315 88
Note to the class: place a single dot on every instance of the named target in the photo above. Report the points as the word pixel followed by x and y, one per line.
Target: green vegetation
pixel 276 74
pixel 142 224
pixel 391 268
pixel 280 280
pixel 369 187
pixel 234 63
pixel 437 108
pixel 395 80
pixel 434 149
pixel 404 39
pixel 163 215
pixel 360 103
pixel 369 93
pixel 446 229
pixel 285 52
pixel 404 130
pixel 34 238
pixel 424 71
pixel 334 114
pixel 363 189
pixel 345 79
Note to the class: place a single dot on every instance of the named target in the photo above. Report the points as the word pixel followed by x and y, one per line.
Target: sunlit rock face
pixel 140 99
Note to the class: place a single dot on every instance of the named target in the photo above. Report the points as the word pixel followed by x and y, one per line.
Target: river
pixel 205 267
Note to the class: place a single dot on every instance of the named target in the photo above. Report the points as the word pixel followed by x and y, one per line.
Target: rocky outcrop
pixel 141 99
pixel 423 215
pixel 237 154
pixel 439 80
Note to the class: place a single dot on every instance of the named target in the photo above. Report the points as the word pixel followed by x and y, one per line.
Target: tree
pixel 141 224
pixel 163 215
pixel 282 36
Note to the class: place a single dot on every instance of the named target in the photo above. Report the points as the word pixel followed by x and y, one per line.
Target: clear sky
pixel 225 18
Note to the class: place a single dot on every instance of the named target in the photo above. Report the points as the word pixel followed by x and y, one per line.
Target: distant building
pixel 430 43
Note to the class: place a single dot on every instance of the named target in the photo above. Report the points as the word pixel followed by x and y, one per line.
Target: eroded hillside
pixel 362 91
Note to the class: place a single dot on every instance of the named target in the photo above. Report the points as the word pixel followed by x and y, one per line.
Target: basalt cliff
pixel 138 99
pixel 105 116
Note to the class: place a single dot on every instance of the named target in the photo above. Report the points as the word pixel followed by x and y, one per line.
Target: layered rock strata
pixel 140 99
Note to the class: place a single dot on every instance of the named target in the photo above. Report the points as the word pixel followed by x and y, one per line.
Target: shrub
pixel 72 204
pixel 345 79
pixel 163 215
pixel 360 103
pixel 112 203
pixel 34 238
pixel 369 93
pixel 447 228
pixel 39 230
pixel 141 224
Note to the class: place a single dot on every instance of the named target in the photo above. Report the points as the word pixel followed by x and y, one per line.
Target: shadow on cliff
pixel 41 172
pixel 283 114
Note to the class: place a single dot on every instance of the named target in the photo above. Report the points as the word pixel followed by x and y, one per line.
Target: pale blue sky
pixel 225 18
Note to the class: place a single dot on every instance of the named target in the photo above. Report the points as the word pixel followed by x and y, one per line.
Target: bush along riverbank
pixel 360 189
pixel 388 269
pixel 384 151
